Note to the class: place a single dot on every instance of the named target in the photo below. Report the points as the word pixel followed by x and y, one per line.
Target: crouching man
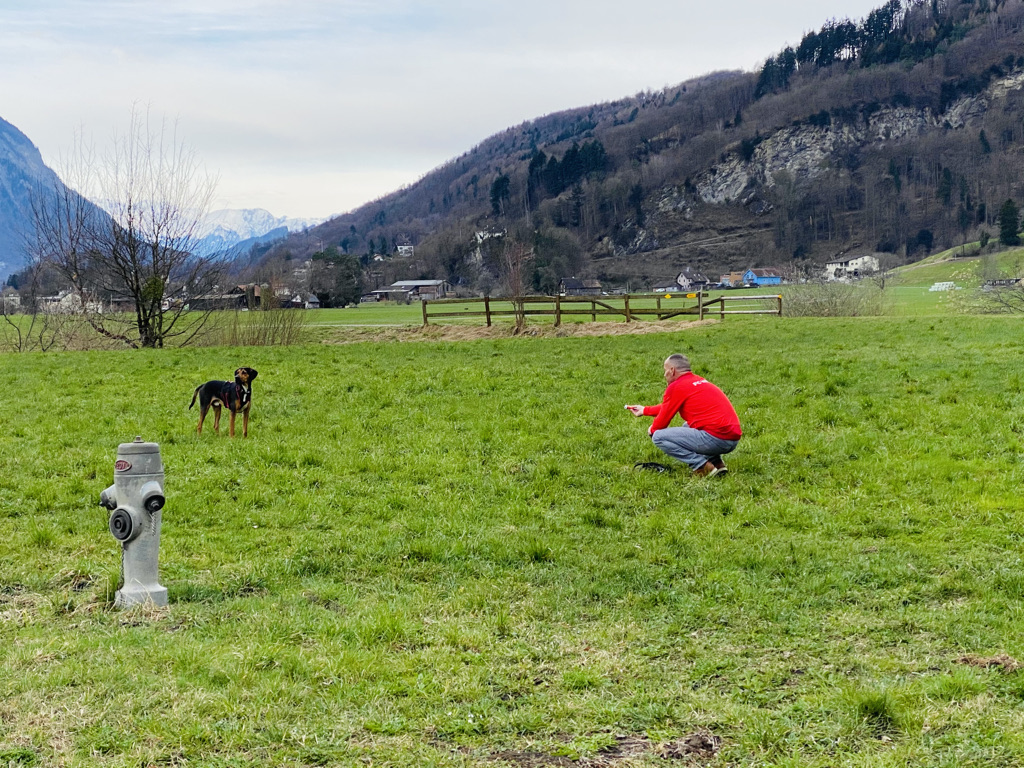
pixel 711 427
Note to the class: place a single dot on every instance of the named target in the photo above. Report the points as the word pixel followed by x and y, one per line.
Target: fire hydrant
pixel 135 500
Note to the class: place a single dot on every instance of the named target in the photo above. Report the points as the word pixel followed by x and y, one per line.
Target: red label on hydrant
pixel 122 466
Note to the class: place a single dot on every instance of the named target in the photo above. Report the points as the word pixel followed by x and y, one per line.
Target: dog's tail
pixel 194 396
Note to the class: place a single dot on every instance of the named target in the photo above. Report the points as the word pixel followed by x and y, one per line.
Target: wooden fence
pixel 628 306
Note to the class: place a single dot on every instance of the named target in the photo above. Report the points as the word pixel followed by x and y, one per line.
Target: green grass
pixel 954 265
pixel 434 554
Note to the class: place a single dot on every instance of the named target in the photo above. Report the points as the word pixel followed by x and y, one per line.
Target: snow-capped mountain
pixel 224 230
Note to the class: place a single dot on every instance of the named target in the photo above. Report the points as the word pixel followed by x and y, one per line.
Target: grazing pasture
pixel 440 554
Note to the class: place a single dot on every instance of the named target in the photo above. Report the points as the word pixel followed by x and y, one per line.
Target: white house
pixel 10 301
pixel 852 268
pixel 689 280
pixel 69 303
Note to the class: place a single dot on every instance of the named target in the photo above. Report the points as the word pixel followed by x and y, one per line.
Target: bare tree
pixel 516 258
pixel 134 267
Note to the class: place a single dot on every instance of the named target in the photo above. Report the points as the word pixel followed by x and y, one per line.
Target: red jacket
pixel 701 405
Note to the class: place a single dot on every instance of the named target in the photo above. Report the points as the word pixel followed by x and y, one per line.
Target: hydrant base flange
pixel 141 595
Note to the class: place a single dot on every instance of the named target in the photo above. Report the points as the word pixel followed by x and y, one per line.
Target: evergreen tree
pixel 1009 223
pixel 945 189
pixel 501 190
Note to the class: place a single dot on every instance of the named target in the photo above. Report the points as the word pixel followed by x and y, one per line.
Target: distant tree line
pixel 897 31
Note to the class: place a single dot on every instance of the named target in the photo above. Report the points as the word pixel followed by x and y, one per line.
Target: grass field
pixel 440 554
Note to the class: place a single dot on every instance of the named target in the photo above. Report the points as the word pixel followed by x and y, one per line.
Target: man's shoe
pixel 707 469
pixel 719 465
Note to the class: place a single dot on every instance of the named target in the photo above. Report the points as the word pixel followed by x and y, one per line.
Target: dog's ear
pixel 252 373
pixel 237 372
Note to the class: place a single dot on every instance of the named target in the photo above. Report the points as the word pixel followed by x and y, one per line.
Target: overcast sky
pixel 311 107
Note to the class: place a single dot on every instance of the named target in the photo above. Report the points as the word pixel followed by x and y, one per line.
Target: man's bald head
pixel 680 362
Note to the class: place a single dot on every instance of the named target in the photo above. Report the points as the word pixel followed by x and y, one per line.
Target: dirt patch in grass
pixel 1003 662
pixel 701 745
pixel 353 335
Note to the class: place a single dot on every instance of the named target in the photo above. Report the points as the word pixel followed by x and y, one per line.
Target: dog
pixel 235 395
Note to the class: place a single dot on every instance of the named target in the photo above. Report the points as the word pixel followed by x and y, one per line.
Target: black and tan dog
pixel 235 395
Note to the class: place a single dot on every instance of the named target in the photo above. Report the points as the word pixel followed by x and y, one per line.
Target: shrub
pixel 834 299
pixel 270 328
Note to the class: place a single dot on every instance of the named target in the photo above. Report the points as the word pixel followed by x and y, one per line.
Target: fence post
pixel 628 316
pixel 700 305
pixel 593 311
pixel 659 308
pixel 558 311
pixel 424 312
pixel 487 309
pixel 780 304
pixel 722 308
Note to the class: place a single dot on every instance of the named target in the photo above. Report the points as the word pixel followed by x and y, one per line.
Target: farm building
pixel 238 297
pixel 572 286
pixel 407 290
pixel 309 301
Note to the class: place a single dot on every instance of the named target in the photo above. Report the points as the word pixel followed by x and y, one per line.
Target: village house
pixel 69 303
pixel 688 280
pixel 852 268
pixel 10 302
pixel 665 286
pixel 761 277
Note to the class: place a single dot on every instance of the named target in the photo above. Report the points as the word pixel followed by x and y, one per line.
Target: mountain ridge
pixel 22 172
pixel 936 177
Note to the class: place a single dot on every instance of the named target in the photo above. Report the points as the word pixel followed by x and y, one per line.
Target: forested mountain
pixel 899 133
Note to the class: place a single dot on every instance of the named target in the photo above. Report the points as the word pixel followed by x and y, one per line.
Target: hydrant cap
pixel 137 448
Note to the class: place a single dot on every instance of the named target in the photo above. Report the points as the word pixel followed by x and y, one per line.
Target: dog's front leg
pixel 245 423
pixel 231 424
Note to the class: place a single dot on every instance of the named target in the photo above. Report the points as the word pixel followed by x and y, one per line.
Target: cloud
pixel 306 108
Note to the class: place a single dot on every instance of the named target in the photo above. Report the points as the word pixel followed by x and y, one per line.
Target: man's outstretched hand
pixel 636 410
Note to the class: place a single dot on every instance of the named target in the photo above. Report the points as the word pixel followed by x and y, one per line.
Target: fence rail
pixel 633 306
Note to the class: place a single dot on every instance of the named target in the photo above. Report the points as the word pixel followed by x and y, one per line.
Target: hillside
pixel 900 134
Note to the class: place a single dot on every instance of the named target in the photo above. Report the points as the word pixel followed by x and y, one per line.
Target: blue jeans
pixel 691 446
